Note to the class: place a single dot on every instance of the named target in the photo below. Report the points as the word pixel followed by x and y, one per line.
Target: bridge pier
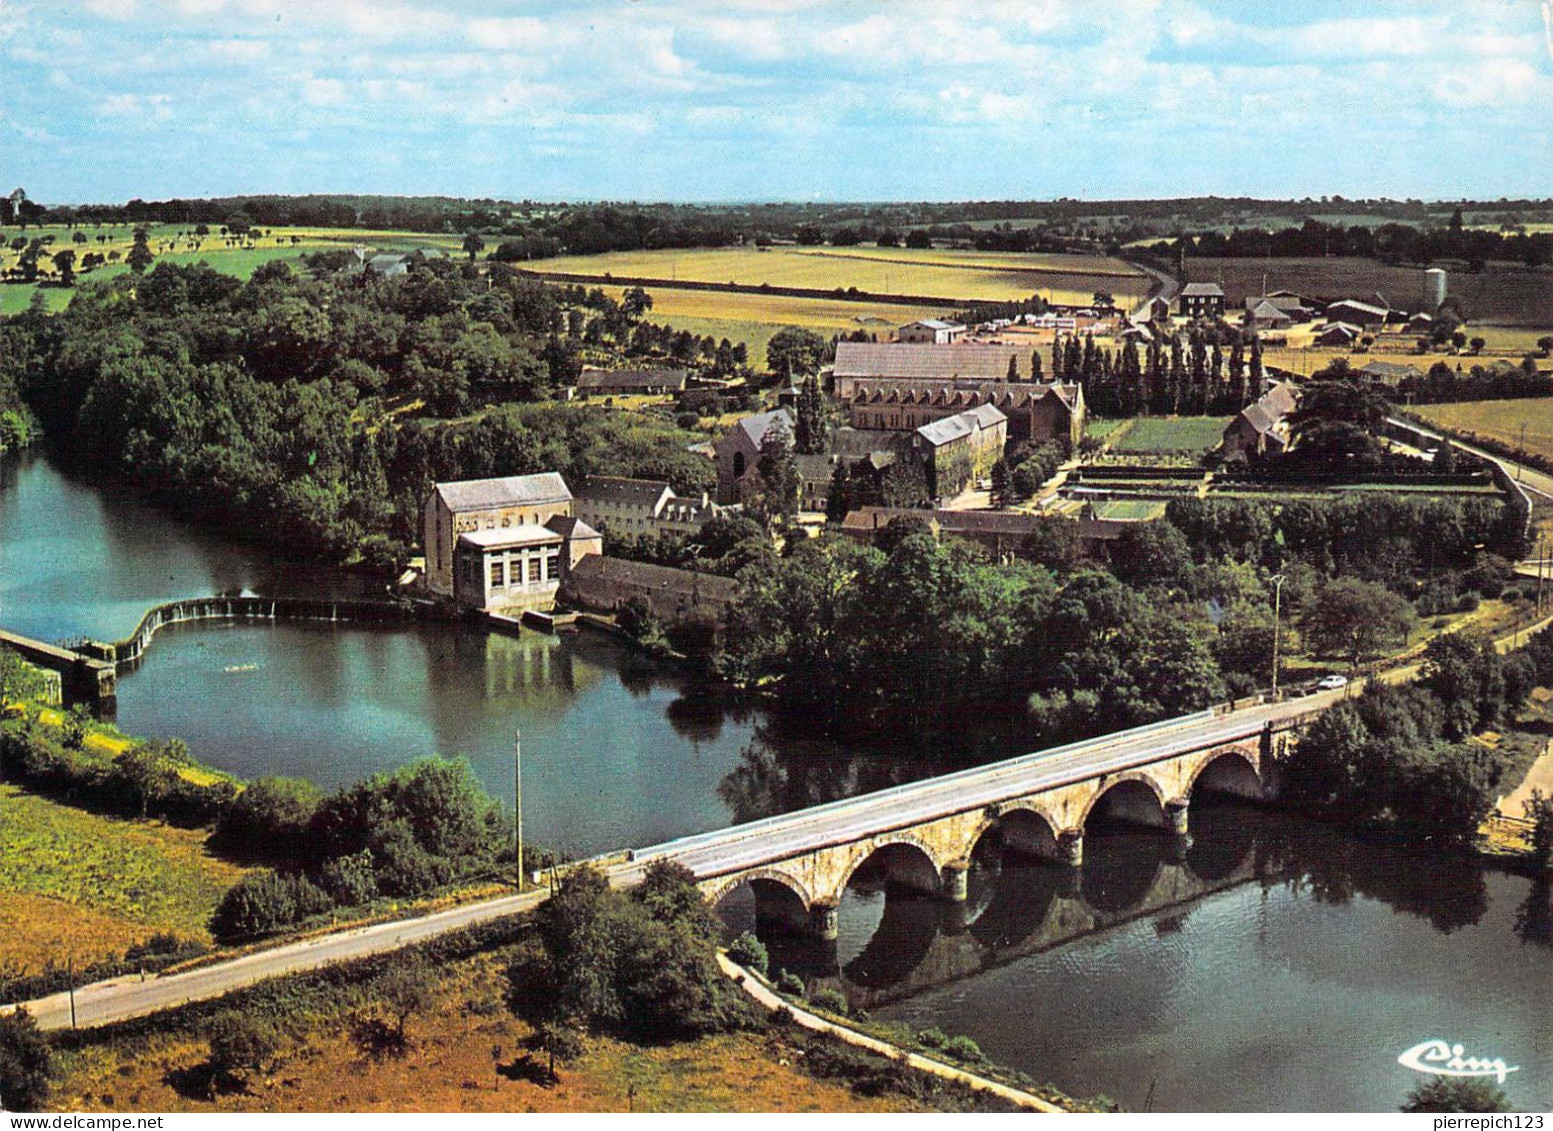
pixel 955 887
pixel 1070 847
pixel 1180 821
pixel 825 921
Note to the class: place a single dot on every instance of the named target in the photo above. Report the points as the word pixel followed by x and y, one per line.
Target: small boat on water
pixel 241 668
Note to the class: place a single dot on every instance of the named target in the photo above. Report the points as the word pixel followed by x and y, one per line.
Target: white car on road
pixel 1332 683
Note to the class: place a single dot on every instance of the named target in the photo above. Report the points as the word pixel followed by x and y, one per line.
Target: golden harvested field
pixel 465 1056
pixel 948 275
pixel 75 884
pixel 753 318
pixel 1499 420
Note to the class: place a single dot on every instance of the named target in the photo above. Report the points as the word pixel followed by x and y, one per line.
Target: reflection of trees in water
pixel 782 775
pixel 1534 917
pixel 696 718
pixel 1333 867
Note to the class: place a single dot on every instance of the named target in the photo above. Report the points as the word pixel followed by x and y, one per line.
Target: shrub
pixel 831 1001
pixel 349 880
pixel 239 1045
pixel 749 951
pixel 25 1063
pixel 790 984
pixel 934 1038
pixel 963 1048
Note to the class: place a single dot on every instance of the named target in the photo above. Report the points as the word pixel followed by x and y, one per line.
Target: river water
pixel 1269 966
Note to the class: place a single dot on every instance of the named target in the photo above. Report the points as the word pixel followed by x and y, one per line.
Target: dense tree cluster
pixel 1210 368
pixel 1402 756
pixel 401 834
pixel 642 963
pixel 1390 243
pixel 278 404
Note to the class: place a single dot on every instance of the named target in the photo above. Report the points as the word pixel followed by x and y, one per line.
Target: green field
pixel 1499 420
pixel 993 276
pixel 178 244
pixel 1168 435
pixel 74 883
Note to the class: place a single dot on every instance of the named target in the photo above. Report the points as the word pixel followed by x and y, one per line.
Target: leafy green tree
pixel 1539 811
pixel 748 951
pixel 407 989
pixel 1002 484
pixel 473 245
pixel 64 263
pixel 146 773
pixel 635 302
pixel 269 817
pixel 1463 1094
pixel 139 257
pixel 810 433
pixel 26 1063
pixel 795 352
pixel 1355 620
pixel 240 1047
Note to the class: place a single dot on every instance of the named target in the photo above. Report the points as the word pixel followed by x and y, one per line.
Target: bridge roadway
pixel 708 855
pixel 750 845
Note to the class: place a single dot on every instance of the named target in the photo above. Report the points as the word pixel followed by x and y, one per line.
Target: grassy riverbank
pixel 466 1052
pixel 84 887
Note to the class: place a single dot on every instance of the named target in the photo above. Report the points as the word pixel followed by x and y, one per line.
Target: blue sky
pixel 102 100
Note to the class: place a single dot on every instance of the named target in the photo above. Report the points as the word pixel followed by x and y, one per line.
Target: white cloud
pixel 323 92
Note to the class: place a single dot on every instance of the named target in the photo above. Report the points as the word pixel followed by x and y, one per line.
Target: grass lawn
pixel 1499 420
pixel 77 885
pixel 1168 434
pixel 940 274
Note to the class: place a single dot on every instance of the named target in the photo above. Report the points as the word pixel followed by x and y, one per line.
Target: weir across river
pixel 89 669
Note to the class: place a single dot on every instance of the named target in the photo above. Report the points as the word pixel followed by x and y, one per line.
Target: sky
pixel 719 100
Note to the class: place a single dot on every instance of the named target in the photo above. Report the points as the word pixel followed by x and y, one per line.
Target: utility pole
pixel 517 775
pixel 1520 465
pixel 70 976
pixel 1277 579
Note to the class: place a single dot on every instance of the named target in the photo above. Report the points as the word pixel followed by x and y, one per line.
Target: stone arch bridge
pixel 922 835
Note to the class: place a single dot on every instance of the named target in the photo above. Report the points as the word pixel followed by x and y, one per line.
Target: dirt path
pixel 768 998
pixel 1539 777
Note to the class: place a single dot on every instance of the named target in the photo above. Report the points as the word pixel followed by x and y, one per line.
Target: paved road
pixel 1537 482
pixel 708 855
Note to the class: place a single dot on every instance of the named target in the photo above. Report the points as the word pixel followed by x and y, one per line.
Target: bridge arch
pixel 777 876
pixel 1133 797
pixel 1021 826
pixel 901 859
pixel 776 900
pixel 1229 770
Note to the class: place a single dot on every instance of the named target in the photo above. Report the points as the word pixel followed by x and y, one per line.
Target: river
pixel 1272 966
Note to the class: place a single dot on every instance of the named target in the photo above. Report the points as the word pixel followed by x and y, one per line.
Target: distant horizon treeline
pixel 535 229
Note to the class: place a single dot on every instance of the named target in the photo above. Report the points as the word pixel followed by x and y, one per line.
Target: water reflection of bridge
pixel 1018 906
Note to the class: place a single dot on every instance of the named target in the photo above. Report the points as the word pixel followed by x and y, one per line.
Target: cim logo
pixel 1439 1058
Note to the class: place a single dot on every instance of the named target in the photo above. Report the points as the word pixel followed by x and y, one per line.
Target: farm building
pixel 933 331
pixel 739 449
pixel 1261 427
pixel 454 509
pixel 632 382
pixel 1337 334
pixel 961 449
pixel 1355 313
pixel 1201 300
